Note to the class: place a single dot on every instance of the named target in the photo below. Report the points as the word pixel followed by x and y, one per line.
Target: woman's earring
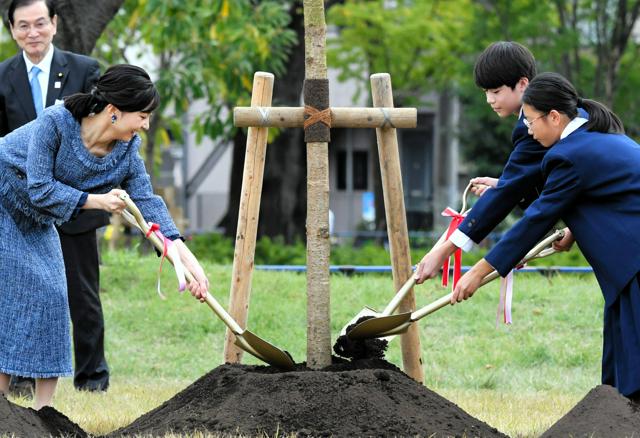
pixel 113 119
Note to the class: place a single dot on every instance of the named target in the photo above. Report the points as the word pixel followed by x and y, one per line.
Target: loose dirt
pixel 359 398
pixel 26 423
pixel 602 413
pixel 360 348
pixel 368 397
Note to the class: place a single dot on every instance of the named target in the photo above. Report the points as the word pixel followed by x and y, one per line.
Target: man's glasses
pixel 529 124
pixel 38 26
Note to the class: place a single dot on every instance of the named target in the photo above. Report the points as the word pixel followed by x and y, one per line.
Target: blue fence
pixel 346 269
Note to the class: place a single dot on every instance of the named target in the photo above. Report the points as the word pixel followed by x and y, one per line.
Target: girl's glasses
pixel 529 124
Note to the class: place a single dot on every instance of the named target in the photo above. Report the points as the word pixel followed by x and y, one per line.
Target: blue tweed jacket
pixel 44 181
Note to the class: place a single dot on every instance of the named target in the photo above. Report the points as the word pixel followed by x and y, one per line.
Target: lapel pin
pixel 60 75
pixel 57 84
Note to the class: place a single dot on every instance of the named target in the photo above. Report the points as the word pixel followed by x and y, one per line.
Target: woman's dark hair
pixel 504 63
pixel 127 87
pixel 552 91
pixel 15 4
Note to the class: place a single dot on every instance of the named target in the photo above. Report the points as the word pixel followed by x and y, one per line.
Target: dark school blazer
pixel 519 184
pixel 593 184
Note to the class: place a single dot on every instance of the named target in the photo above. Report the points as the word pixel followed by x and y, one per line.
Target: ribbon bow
pixel 456 220
pixel 168 247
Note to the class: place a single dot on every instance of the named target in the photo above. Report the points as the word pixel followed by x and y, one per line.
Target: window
pixel 359 171
pixel 417 172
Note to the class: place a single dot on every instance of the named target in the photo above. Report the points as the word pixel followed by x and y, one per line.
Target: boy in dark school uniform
pixel 503 71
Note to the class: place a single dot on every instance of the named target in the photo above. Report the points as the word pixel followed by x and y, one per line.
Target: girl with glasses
pixel 592 183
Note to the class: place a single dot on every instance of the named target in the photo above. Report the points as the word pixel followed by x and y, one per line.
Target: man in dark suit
pixel 40 75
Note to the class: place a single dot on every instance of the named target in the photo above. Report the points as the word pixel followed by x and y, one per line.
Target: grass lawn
pixel 519 378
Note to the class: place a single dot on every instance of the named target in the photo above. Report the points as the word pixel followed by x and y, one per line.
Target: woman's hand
pixel 482 183
pixel 110 202
pixel 200 284
pixel 566 242
pixel 470 282
pixel 429 266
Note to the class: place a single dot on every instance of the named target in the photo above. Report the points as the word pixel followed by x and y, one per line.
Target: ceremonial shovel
pixel 388 325
pixel 245 339
pixel 399 296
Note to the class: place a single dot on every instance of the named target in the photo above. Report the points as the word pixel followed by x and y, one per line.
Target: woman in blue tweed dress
pixel 72 156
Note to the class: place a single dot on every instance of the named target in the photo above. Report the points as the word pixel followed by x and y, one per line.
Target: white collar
pixel 572 126
pixel 44 65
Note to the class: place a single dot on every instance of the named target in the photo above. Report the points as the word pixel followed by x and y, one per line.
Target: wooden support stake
pixel 293 117
pixel 243 257
pixel 396 222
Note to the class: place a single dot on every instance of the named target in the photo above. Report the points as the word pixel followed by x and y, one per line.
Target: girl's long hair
pixel 552 91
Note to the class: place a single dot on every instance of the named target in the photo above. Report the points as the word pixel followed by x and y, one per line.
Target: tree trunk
pixel 318 248
pixel 567 24
pixel 283 207
pixel 380 221
pixel 624 22
pixel 229 221
pixel 612 38
pixel 150 148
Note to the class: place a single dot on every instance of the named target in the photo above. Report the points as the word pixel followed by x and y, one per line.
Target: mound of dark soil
pixel 362 398
pixel 602 413
pixel 27 423
pixel 360 348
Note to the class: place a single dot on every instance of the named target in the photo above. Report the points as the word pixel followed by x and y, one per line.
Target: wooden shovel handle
pixel 134 216
pixel 535 252
pixel 406 287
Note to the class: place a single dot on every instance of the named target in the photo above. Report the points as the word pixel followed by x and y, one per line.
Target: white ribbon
pixel 506 298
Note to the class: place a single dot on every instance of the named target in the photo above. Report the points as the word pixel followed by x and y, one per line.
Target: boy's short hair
pixel 504 63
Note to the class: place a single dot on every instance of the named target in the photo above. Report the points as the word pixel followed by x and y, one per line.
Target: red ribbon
pixel 456 220
pixel 155 229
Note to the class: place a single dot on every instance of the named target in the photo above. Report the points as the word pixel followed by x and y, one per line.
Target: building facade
pixel 429 156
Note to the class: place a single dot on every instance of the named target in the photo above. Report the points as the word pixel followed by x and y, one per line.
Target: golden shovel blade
pixel 379 327
pixel 367 311
pixel 264 351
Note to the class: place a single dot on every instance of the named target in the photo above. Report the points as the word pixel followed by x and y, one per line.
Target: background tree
pixel 420 43
pixel 435 44
pixel 208 50
pixel 283 206
pixel 203 51
pixel 284 194
pixel 588 41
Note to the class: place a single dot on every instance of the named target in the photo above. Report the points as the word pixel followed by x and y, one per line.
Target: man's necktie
pixel 36 91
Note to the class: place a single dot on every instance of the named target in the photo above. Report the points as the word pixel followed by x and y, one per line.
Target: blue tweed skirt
pixel 35 338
